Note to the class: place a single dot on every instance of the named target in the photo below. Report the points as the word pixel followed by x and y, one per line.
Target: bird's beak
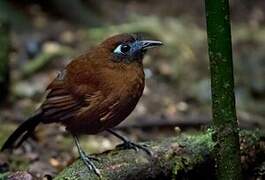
pixel 148 44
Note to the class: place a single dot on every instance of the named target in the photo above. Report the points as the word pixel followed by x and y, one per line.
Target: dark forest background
pixel 45 35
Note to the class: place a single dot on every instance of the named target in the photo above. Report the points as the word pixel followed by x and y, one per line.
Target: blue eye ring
pixel 122 49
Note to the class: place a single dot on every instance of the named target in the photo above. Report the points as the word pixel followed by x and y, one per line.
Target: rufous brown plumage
pixel 95 92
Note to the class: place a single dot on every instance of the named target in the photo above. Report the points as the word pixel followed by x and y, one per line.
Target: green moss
pixel 252 136
pixel 178 165
pixel 197 142
pixel 197 145
pixel 174 157
pixel 72 172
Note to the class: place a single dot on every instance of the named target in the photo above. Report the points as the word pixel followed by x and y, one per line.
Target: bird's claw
pixel 135 146
pixel 89 164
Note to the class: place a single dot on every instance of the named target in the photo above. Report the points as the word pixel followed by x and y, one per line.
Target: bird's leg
pixel 127 144
pixel 85 158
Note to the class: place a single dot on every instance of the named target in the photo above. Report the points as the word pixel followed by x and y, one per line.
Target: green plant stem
pixel 222 85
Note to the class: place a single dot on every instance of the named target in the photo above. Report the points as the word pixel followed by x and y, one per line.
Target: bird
pixel 95 92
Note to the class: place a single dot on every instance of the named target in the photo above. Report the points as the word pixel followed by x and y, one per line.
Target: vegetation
pixel 222 83
pixel 187 156
pixel 176 105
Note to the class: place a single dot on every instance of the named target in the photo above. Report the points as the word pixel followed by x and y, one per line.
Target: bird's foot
pixel 88 161
pixel 135 146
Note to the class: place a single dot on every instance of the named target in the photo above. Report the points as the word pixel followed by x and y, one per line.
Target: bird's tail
pixel 24 131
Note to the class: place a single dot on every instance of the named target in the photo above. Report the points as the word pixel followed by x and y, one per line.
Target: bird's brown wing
pixel 62 104
pixel 59 104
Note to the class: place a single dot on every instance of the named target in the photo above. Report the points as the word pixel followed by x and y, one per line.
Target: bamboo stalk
pixel 222 85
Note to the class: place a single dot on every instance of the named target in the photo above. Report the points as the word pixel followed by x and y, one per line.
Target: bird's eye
pixel 125 48
pixel 122 49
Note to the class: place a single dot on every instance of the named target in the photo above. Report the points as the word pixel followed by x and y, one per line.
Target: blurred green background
pixel 45 35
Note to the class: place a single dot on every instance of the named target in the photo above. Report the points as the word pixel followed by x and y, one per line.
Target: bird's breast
pixel 125 94
pixel 119 98
pixel 126 99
